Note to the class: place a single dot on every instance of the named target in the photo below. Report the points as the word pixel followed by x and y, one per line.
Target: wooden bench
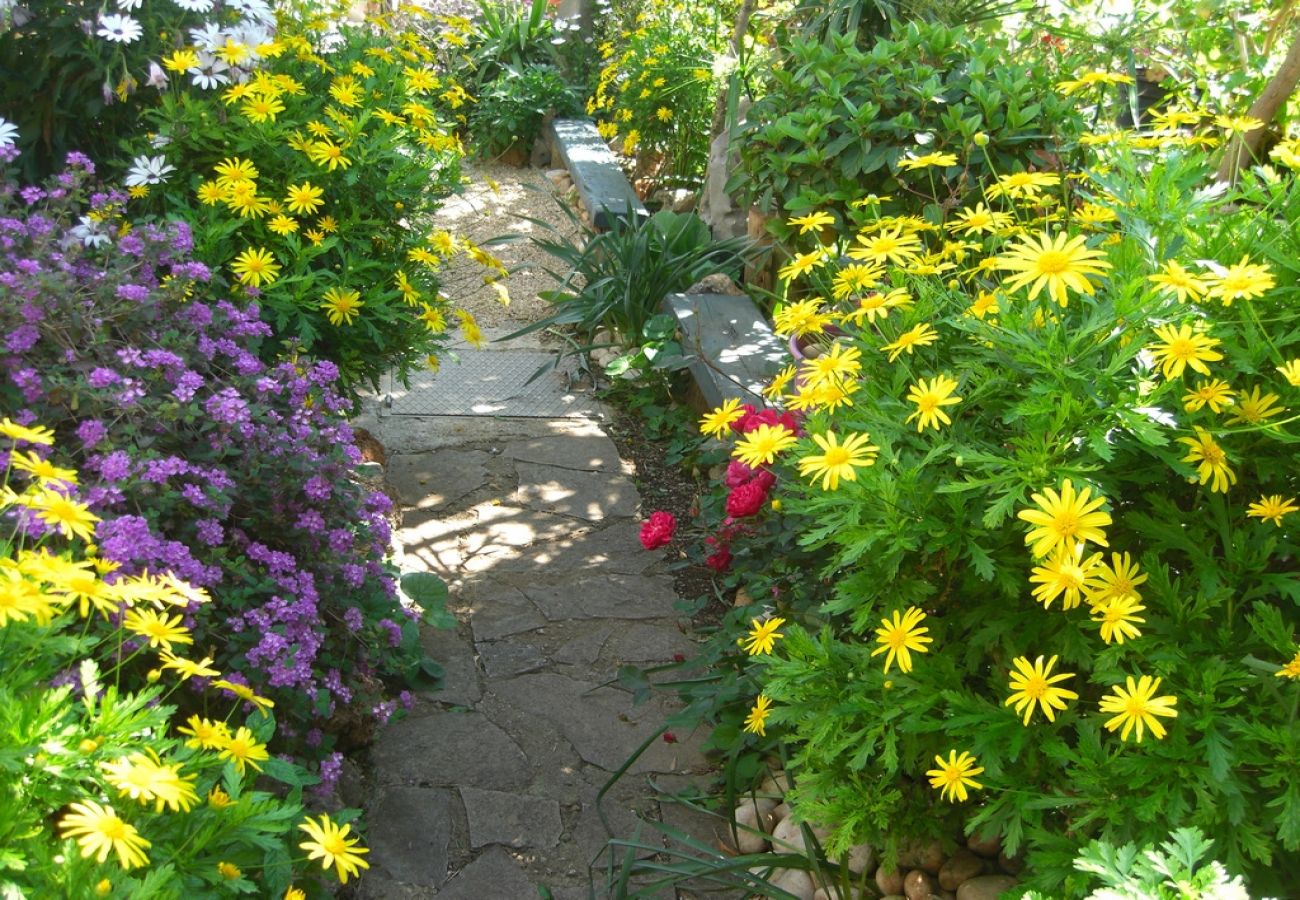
pixel 604 190
pixel 735 352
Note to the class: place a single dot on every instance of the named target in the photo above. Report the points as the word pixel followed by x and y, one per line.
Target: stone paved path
pixel 488 789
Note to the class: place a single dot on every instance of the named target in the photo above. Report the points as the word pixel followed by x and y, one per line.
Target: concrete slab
pixel 641 643
pixel 427 481
pixel 591 452
pixel 602 186
pixel 506 659
pixel 459 676
pixel 609 546
pixel 601 723
pixel 490 383
pixel 420 434
pixel 498 610
pixel 736 351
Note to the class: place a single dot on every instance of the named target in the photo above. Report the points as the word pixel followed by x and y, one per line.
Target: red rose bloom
pixel 746 500
pixel 658 530
pixel 720 561
pixel 737 474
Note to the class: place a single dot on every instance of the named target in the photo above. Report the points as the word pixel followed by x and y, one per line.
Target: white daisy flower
pixel 256 10
pixel 90 233
pixel 197 6
pixel 8 132
pixel 208 38
pixel 148 170
pixel 119 29
pixel 128 5
pixel 211 73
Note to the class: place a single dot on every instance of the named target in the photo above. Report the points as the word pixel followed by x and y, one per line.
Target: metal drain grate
pixel 490 383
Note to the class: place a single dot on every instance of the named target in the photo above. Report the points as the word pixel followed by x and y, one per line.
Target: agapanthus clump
pixel 198 458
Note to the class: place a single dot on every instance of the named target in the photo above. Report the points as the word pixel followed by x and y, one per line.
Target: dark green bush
pixel 837 119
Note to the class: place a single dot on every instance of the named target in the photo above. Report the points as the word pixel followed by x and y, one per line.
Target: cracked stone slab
pixel 502 531
pixel 515 820
pixel 449 748
pixel 409 831
pixel 494 874
pixel 505 659
pixel 582 650
pixel 498 610
pixel 594 496
pixel 426 481
pixel 643 643
pixel 601 723
pixel 605 596
pixel 591 452
pixel 612 548
pixel 459 674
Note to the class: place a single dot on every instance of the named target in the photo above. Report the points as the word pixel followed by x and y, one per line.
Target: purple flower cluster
pixel 201 458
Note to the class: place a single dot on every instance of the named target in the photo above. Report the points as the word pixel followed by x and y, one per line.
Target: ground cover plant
pixel 198 458
pixel 1038 454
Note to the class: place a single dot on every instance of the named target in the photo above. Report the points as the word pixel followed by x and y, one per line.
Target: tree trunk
pixel 720 122
pixel 1241 148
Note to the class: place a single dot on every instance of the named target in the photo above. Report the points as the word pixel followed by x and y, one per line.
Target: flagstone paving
pixel 488 789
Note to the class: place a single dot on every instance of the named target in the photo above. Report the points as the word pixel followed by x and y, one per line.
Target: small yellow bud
pixel 103 888
pixel 153 676
pixel 981 139
pixel 776 505
pixel 88 745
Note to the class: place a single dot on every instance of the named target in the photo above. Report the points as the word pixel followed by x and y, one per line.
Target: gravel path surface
pixel 495 203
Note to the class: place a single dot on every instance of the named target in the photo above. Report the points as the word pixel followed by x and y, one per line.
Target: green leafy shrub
pixel 656 89
pixel 510 36
pixel 1112 663
pixel 839 122
pixel 308 183
pixel 1175 870
pixel 510 110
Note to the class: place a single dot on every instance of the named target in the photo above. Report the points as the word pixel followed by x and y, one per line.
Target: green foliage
pixel 69 88
pixel 1217 53
pixel 658 85
pixel 383 111
pixel 82 720
pixel 1176 870
pixel 1048 392
pixel 870 19
pixel 838 119
pixel 511 108
pixel 617 279
pixel 510 36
